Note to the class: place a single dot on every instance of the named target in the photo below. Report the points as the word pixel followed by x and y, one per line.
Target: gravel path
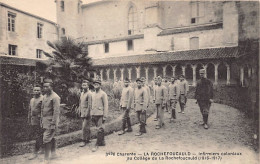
pixel 230 134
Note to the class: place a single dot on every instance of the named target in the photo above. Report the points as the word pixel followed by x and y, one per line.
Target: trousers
pixel 141 116
pixel 86 122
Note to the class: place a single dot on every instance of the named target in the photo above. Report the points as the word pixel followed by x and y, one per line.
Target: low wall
pixel 70 138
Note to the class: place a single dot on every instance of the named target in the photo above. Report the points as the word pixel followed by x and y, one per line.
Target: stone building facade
pixel 23 36
pixel 166 38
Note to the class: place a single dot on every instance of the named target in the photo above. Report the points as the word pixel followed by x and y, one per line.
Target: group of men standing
pixel 93 107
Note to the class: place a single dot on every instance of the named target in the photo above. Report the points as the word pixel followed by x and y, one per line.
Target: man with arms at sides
pixel 140 105
pixel 160 101
pixel 50 118
pixel 204 96
pixel 184 88
pixel 85 103
pixel 34 119
pixel 125 105
pixel 173 97
pixel 99 112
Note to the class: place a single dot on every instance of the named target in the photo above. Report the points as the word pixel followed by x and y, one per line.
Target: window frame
pixel 11 18
pixel 199 5
pixel 11 51
pixel 39 30
pixel 62 6
pixel 106 48
pixel 132 44
pixel 39 53
pixel 132 13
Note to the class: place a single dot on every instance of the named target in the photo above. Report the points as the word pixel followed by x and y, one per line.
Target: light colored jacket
pixel 160 95
pixel 126 97
pixel 148 93
pixel 140 99
pixel 50 111
pixel 184 87
pixel 34 114
pixel 174 92
pixel 99 104
pixel 85 103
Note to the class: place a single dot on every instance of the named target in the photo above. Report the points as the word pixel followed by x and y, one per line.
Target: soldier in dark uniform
pixel 204 96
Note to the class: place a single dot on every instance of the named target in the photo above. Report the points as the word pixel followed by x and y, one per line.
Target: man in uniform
pixel 184 88
pixel 85 103
pixel 173 97
pixel 144 85
pixel 125 105
pixel 140 105
pixel 99 112
pixel 34 117
pixel 154 88
pixel 50 118
pixel 204 96
pixel 160 101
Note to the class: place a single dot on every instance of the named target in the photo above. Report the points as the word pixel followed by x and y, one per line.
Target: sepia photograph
pixel 129 82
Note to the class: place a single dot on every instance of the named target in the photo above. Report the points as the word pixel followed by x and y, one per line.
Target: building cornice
pixel 211 26
pixel 130 37
pixel 26 13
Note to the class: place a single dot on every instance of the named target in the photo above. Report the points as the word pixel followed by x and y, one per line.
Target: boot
pixel 33 156
pixel 53 149
pixel 123 127
pixel 205 121
pixel 173 114
pixel 100 137
pixel 129 128
pixel 47 150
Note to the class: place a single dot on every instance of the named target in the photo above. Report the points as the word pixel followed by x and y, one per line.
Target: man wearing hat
pixel 173 97
pixel 99 111
pixel 50 112
pixel 140 105
pixel 160 101
pixel 184 88
pixel 154 88
pixel 204 96
pixel 85 103
pixel 125 105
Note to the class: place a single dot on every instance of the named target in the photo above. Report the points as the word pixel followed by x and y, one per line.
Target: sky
pixel 42 8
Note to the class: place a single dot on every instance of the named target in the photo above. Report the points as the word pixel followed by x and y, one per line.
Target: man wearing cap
pixel 173 97
pixel 140 105
pixel 154 88
pixel 99 111
pixel 204 96
pixel 85 103
pixel 125 105
pixel 50 112
pixel 184 88
pixel 160 101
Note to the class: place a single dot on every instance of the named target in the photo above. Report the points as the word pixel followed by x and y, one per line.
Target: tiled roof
pixel 191 29
pixel 190 55
pixel 140 36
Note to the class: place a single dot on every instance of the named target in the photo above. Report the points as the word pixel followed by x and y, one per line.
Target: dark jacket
pixel 204 89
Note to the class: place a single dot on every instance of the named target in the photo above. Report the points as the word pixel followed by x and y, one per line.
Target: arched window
pixel 132 20
pixel 194 43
